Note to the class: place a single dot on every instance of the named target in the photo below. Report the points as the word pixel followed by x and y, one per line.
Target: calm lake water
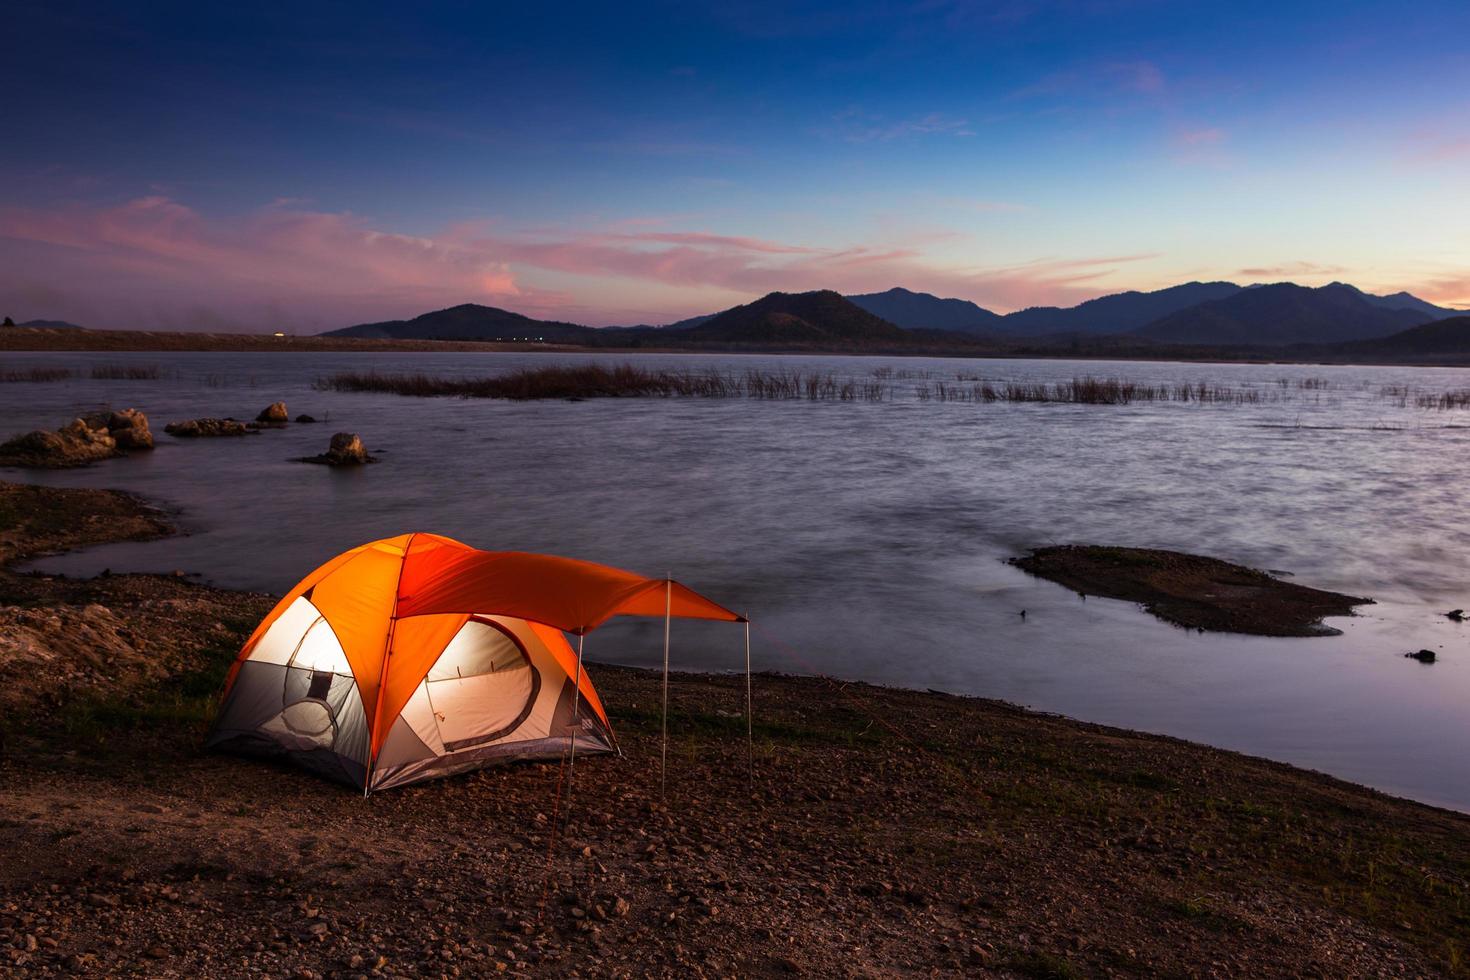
pixel 868 540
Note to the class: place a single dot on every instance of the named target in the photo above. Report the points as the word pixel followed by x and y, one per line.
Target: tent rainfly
pixel 418 656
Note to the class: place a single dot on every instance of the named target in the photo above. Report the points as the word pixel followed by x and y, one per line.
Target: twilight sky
pixel 304 166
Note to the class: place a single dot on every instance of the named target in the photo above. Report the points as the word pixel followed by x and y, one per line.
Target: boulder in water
pixel 128 428
pixel 274 412
pixel 1423 656
pixel 305 419
pixel 207 428
pixel 75 444
pixel 346 449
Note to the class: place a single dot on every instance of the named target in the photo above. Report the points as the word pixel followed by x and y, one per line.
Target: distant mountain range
pixel 1118 313
pixel 1219 315
pixel 822 317
pixel 1285 313
pixel 1191 313
pixel 921 311
pixel 470 321
pixel 1436 340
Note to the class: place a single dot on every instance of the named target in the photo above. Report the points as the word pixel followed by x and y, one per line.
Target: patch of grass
pixel 1088 390
pixel 882 384
pixel 37 519
pixel 1144 779
pixel 1445 400
pixel 125 372
pixel 616 381
pixel 37 374
pixel 184 703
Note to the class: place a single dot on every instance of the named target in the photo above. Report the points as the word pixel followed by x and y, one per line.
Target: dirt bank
pixel 66 641
pixel 1191 590
pixel 882 833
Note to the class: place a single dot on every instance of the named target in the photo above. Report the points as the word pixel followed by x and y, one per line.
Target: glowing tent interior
pixel 418 656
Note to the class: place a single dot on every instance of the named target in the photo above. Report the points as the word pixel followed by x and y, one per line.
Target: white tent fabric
pixel 496 692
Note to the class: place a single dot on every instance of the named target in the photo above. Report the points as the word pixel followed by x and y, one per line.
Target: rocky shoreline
pixel 881 831
pixel 108 435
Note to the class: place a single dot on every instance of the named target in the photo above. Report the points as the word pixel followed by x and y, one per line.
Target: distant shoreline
pixel 83 340
pixel 43 339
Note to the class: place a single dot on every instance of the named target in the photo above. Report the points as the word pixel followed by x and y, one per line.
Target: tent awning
pixel 443 576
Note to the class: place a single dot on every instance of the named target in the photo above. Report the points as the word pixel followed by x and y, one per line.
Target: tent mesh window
pixel 482 687
pixel 309 710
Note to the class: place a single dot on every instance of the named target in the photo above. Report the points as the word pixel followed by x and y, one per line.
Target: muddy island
pixel 879 832
pixel 1192 591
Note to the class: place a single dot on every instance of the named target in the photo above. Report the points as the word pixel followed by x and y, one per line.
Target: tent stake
pixel 663 758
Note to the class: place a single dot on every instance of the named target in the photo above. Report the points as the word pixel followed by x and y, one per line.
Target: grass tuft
pixel 125 372
pixel 618 381
pixel 37 374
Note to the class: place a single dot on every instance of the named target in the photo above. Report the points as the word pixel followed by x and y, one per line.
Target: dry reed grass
pixel 620 381
pixel 125 372
pixel 37 374
pixel 883 384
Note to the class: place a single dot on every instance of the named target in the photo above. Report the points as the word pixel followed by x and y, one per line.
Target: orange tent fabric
pixel 394 604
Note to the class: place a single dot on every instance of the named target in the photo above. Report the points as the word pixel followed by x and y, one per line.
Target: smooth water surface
pixel 868 540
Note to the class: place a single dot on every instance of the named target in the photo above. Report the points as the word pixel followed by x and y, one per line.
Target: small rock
pixel 305 419
pixel 207 428
pixel 1423 656
pixel 346 449
pixel 1458 615
pixel 274 412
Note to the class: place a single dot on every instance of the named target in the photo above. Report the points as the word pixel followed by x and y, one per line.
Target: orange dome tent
pixel 418 656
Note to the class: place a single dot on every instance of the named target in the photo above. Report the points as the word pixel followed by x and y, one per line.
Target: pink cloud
pixel 1138 76
pixel 719 241
pixel 1290 269
pixel 991 207
pixel 1201 145
pixel 856 126
pixel 1441 149
pixel 1209 136
pixel 133 263
pixel 154 262
pixel 1452 291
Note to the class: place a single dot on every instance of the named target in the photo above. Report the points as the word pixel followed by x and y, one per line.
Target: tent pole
pixel 576 723
pixel 576 691
pixel 749 716
pixel 663 758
